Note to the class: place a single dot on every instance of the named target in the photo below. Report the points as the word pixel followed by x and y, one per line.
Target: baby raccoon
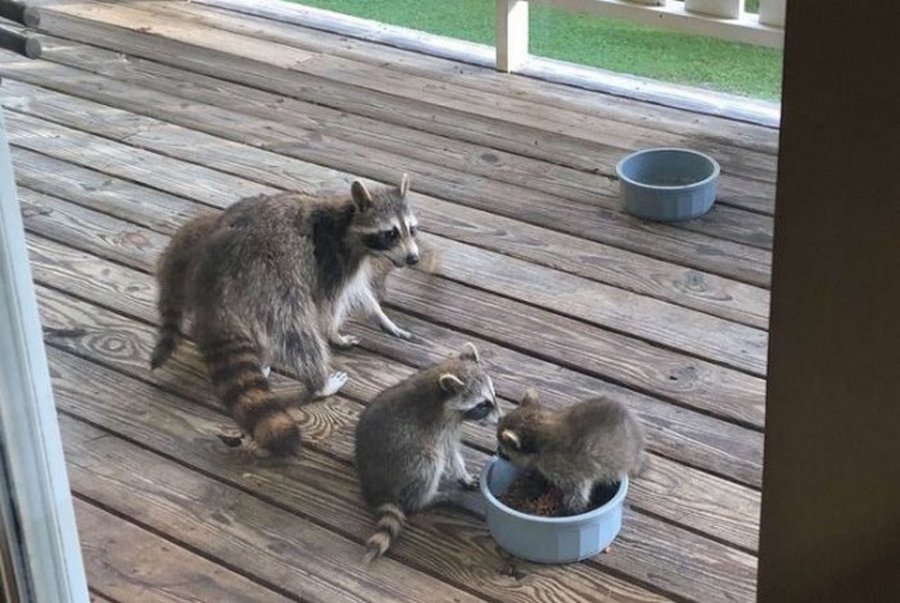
pixel 574 448
pixel 274 278
pixel 409 438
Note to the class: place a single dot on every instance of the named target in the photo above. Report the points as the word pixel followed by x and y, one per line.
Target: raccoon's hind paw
pixel 231 440
pixel 334 384
pixel 344 342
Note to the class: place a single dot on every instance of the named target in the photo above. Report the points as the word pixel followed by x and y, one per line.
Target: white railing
pixel 725 19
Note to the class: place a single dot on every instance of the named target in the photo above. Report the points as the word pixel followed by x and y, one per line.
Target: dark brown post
pixel 831 496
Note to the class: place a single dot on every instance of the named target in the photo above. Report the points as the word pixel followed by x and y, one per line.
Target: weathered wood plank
pixel 444 96
pixel 667 489
pixel 155 170
pixel 548 336
pixel 137 247
pixel 273 545
pixel 669 573
pixel 155 209
pixel 708 337
pixel 446 543
pixel 704 131
pixel 663 241
pixel 701 291
pixel 592 189
pixel 598 262
pixel 282 25
pixel 132 564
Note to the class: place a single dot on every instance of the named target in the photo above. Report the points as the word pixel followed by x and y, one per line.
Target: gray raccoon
pixel 409 437
pixel 274 278
pixel 594 441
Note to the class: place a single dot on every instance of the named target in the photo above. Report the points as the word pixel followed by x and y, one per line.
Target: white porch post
pixel 728 9
pixel 512 34
pixel 771 12
pixel 29 434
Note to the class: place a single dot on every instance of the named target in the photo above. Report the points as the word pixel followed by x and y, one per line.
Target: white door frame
pixel 30 444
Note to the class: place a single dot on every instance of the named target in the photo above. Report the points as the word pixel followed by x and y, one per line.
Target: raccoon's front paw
pixel 344 341
pixel 334 384
pixel 469 482
pixel 405 335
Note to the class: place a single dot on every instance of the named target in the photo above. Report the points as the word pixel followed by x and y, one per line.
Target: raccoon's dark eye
pixel 392 235
pixel 413 231
pixel 478 412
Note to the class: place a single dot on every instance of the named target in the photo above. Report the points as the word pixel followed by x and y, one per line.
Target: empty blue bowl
pixel 668 185
pixel 548 539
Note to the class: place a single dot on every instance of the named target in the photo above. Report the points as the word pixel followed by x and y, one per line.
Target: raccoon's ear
pixel 405 183
pixel 450 383
pixel 470 352
pixel 531 397
pixel 362 198
pixel 510 439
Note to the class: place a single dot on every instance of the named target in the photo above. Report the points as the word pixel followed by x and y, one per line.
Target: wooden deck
pixel 141 114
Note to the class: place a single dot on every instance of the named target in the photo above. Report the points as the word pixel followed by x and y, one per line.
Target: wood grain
pixel 708 337
pixel 602 224
pixel 665 572
pixel 131 564
pixel 644 366
pixel 264 541
pixel 690 381
pixel 712 133
pixel 446 543
pixel 155 209
pixel 668 489
pixel 336 129
pixel 702 291
pixel 127 243
pixel 625 269
pixel 281 25
pixel 448 97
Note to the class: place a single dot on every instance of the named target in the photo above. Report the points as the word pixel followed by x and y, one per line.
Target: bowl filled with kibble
pixel 526 517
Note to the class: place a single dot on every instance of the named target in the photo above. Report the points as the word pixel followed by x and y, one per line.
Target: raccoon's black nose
pixel 412 259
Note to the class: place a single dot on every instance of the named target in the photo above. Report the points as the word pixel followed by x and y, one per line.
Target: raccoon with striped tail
pixel 409 438
pixel 273 278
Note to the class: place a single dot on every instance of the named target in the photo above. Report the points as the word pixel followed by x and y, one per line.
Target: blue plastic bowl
pixel 548 539
pixel 668 185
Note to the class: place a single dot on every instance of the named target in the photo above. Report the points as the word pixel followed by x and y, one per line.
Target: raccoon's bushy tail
pixel 172 278
pixel 235 369
pixel 169 336
pixel 391 520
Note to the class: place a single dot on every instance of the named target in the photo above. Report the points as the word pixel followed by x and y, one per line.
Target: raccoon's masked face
pixel 517 440
pixel 385 222
pixel 470 390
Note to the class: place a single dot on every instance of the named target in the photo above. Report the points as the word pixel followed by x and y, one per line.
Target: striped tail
pixel 391 520
pixel 169 336
pixel 172 277
pixel 236 372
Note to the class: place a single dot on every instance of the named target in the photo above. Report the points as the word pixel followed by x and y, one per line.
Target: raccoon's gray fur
pixel 574 448
pixel 409 438
pixel 273 278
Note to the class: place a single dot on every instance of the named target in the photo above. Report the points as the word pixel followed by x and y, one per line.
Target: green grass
pixel 607 43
